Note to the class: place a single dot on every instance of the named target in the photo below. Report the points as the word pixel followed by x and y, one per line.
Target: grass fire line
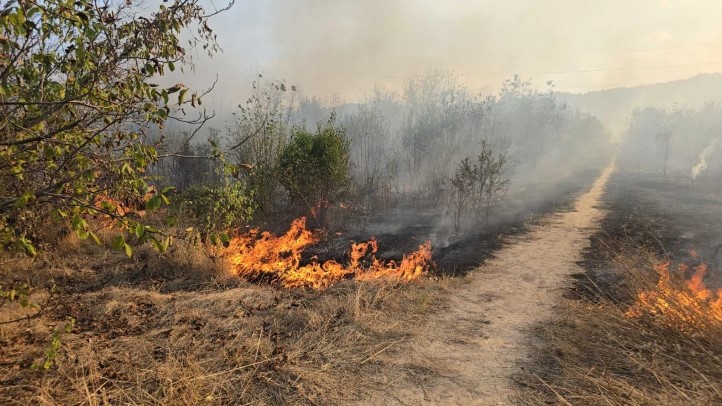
pixel 258 256
pixel 685 304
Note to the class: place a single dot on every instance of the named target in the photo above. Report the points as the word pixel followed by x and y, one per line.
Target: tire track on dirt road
pixel 476 342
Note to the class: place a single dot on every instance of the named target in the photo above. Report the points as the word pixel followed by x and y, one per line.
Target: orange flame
pixel 278 259
pixel 680 303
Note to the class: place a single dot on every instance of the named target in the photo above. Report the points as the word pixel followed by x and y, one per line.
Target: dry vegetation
pixel 181 331
pixel 599 353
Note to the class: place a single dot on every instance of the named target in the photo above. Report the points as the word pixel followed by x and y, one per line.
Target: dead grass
pixel 178 331
pixel 595 354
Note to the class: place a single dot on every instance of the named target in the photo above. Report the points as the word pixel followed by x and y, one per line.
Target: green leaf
pixel 27 246
pixel 128 250
pixel 171 221
pixel 94 237
pixel 161 246
pixel 118 242
pixel 139 230
pixel 27 197
pixel 154 203
pixel 158 247
pixel 225 239
pixel 55 216
pixel 167 189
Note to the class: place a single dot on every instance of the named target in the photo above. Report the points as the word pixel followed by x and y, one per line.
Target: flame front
pixel 680 304
pixel 278 259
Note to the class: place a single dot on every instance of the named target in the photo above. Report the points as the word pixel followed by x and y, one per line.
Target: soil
pixel 467 352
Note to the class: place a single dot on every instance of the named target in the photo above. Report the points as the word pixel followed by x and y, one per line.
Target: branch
pixel 66 127
pixel 258 130
pixel 230 4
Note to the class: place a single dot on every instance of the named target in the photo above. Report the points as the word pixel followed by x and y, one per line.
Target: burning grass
pixel 155 337
pixel 677 302
pixel 651 336
pixel 179 330
pixel 264 256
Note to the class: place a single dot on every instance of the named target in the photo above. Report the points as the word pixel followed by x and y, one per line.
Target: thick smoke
pixel 331 47
pixel 411 125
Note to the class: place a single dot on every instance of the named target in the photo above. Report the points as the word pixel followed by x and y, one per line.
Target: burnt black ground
pixel 677 219
pixel 460 254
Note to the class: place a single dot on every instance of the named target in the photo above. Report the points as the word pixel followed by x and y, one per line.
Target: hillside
pixel 613 106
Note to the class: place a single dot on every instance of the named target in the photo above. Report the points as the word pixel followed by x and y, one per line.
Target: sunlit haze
pixel 346 48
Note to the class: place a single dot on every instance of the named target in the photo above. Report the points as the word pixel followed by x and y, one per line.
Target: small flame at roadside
pixel 259 256
pixel 697 169
pixel 680 303
pixel 702 160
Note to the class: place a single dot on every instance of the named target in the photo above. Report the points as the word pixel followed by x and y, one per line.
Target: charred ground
pixel 398 232
pixel 592 352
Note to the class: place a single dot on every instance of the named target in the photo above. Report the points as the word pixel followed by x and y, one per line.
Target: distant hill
pixel 614 106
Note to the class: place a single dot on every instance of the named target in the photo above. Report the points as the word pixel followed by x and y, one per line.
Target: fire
pixel 697 169
pixel 680 303
pixel 702 159
pixel 264 256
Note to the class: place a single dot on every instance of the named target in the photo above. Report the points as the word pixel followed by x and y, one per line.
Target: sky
pixel 346 48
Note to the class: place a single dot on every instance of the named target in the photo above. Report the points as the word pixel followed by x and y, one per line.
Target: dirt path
pixel 475 345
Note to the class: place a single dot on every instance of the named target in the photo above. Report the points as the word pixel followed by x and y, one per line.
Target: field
pixel 353 204
pixel 595 352
pixel 179 329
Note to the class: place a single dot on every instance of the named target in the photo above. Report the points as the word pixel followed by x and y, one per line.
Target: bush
pixel 314 167
pixel 215 209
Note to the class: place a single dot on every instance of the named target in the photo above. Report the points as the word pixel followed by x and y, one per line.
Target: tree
pixel 437 109
pixel 369 134
pixel 664 141
pixel 77 101
pixel 477 185
pixel 258 136
pixel 314 167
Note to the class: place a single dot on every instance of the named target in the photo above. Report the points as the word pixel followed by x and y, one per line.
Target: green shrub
pixel 314 167
pixel 215 209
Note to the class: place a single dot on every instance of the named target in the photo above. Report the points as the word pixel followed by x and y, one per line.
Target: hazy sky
pixel 346 47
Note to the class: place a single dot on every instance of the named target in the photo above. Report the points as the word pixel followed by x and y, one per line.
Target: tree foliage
pixel 315 166
pixel 76 101
pixel 258 136
pixel 477 184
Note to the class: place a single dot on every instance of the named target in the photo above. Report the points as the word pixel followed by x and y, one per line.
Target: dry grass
pixel 595 354
pixel 178 331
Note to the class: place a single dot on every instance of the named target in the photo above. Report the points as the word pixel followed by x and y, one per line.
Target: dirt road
pixel 476 344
